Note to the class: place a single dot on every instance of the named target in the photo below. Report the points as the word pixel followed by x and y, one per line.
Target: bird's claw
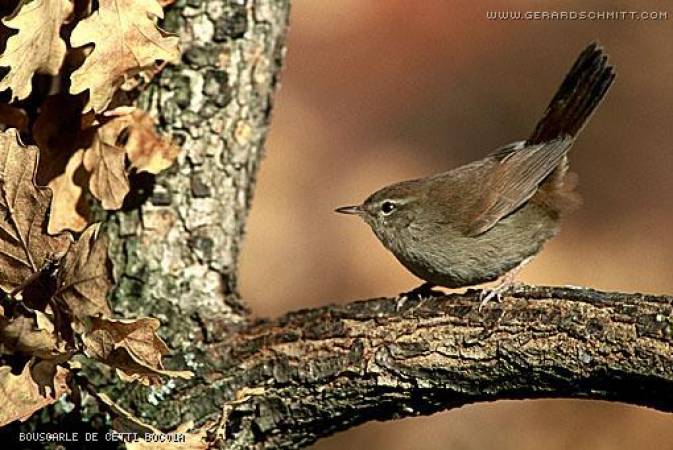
pixel 419 294
pixel 496 292
pixel 487 295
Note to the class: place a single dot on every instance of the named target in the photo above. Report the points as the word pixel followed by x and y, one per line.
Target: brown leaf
pixel 106 161
pixel 85 278
pixel 37 47
pixel 126 40
pixel 131 135
pixel 59 137
pixel 130 345
pixel 69 208
pixel 25 246
pixel 140 80
pixel 147 150
pixel 21 395
pixel 137 335
pixel 30 335
pixel 128 423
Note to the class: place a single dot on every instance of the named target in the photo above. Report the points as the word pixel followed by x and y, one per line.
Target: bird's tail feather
pixel 577 98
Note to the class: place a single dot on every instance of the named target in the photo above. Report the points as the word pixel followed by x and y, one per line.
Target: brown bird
pixel 483 220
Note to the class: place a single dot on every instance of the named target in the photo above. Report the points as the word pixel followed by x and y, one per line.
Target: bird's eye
pixel 387 207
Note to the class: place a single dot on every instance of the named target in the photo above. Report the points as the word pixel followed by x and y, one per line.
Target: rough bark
pixel 315 372
pixel 288 382
pixel 176 254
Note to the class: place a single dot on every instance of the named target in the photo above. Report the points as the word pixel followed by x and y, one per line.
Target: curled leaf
pixel 147 150
pixel 29 335
pixel 179 439
pixel 37 47
pixel 126 40
pixel 21 395
pixel 131 346
pixel 129 423
pixel 60 140
pixel 106 161
pixel 69 209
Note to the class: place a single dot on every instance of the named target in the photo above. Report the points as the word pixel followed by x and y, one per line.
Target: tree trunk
pixel 176 255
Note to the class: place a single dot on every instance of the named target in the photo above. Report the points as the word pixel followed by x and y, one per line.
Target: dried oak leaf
pixel 25 245
pixel 131 346
pixel 106 162
pixel 126 422
pixel 69 209
pixel 57 132
pixel 147 150
pixel 126 40
pixel 29 335
pixel 21 395
pixel 37 47
pixel 85 277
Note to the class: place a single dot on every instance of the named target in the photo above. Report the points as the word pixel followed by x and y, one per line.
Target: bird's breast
pixel 441 254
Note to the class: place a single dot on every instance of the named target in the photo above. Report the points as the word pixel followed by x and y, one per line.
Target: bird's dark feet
pixel 423 292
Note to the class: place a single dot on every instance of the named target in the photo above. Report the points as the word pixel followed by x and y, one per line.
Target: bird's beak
pixel 357 210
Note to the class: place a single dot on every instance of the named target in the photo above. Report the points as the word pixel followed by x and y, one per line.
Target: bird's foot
pixel 506 284
pixel 495 293
pixel 488 294
pixel 419 294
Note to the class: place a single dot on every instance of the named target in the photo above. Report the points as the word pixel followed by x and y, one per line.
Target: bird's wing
pixel 514 179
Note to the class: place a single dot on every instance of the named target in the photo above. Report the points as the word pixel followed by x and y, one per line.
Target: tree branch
pixel 314 372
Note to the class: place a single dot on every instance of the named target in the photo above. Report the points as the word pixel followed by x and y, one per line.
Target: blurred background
pixel 380 91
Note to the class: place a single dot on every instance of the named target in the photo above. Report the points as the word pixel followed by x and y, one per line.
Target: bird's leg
pixel 420 293
pixel 506 282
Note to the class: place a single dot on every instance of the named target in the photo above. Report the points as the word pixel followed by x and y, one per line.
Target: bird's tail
pixel 578 97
